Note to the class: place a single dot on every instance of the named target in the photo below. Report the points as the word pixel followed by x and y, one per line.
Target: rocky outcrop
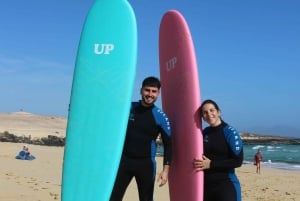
pixel 50 140
pixel 249 138
pixel 255 139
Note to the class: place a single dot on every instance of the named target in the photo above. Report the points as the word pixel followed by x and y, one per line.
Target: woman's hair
pixel 206 102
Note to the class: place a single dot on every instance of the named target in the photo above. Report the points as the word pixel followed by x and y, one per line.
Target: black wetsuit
pixel 138 158
pixel 223 146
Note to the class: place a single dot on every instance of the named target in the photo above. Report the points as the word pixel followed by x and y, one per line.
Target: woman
pixel 223 152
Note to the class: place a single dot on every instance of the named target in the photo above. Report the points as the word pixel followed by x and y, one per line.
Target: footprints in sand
pixel 34 184
pixel 274 190
pixel 54 195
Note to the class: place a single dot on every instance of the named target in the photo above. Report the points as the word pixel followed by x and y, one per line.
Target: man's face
pixel 149 95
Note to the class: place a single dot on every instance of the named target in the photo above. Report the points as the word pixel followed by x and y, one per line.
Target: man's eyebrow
pixel 151 89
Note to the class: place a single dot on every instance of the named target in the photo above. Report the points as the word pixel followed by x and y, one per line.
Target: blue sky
pixel 248 55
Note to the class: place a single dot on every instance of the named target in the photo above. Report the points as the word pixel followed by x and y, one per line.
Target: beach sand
pixel 33 125
pixel 40 179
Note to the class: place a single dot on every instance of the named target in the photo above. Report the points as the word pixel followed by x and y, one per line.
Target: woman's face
pixel 211 115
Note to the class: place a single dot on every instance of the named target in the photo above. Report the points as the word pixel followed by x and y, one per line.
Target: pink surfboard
pixel 180 101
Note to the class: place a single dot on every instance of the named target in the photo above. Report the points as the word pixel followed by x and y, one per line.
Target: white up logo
pixel 171 63
pixel 103 48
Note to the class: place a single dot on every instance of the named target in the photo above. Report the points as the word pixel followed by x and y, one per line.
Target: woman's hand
pixel 201 164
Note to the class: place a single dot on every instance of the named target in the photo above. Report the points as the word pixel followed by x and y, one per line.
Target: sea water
pixel 274 156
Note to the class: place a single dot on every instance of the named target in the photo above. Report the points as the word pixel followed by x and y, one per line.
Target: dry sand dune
pixel 23 123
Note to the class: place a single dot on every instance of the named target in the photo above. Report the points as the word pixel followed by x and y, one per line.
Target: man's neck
pixel 145 104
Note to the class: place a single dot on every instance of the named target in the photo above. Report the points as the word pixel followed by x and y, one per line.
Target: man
pixel 257 160
pixel 146 122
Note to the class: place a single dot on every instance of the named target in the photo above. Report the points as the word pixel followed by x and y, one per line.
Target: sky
pixel 248 55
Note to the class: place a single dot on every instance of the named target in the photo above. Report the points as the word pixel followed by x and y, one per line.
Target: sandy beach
pixel 33 125
pixel 40 179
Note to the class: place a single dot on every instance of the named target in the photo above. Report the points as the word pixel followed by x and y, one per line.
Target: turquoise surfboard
pixel 100 101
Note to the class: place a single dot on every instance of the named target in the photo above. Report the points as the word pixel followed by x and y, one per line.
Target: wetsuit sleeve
pixel 235 155
pixel 165 132
pixel 166 138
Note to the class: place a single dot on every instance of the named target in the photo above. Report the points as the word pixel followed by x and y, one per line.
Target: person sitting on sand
pixel 257 160
pixel 24 154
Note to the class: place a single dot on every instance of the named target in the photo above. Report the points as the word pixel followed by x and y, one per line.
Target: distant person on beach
pixel 223 152
pixel 257 160
pixel 146 122
pixel 24 154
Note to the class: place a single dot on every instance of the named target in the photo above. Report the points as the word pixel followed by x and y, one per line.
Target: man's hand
pixel 163 176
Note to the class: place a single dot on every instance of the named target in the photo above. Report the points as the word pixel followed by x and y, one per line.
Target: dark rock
pixel 250 138
pixel 51 140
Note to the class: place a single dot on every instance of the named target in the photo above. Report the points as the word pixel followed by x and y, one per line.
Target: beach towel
pixel 23 155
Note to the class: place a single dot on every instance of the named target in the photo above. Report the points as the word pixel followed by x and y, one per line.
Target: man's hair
pixel 152 82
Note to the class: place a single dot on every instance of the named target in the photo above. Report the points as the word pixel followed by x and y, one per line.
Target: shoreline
pixel 40 179
pixel 277 165
pixel 282 165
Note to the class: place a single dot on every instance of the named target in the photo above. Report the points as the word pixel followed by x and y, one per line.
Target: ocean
pixel 274 156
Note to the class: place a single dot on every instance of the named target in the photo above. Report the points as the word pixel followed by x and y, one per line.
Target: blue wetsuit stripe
pixel 236 185
pixel 233 139
pixel 162 120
